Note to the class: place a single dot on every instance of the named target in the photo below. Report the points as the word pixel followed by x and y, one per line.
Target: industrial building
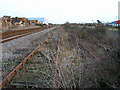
pixel 117 23
pixel 16 21
pixel 6 22
pixel 42 20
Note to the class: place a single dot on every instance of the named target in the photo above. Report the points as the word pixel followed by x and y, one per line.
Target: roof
pixel 112 22
pixel 39 19
pixel 115 22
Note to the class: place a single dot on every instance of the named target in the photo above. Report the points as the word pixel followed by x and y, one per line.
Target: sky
pixel 61 11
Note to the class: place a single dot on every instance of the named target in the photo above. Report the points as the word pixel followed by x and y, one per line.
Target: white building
pixel 119 10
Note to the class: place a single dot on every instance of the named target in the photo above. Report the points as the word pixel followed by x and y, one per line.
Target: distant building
pixel 18 21
pixel 33 22
pixel 6 22
pixel 41 20
pixel 119 10
pixel 0 24
pixel 115 23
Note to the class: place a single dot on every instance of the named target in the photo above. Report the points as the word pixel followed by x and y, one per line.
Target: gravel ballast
pixel 16 50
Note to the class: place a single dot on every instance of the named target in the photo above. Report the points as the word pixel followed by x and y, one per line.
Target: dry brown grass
pixel 76 67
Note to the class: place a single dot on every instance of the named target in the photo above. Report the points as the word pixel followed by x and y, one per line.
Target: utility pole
pixel 118 15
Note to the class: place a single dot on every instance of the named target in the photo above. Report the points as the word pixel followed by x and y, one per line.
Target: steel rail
pixel 21 31
pixel 15 37
pixel 86 48
pixel 18 32
pixel 5 80
pixel 18 36
pixel 58 51
pixel 56 64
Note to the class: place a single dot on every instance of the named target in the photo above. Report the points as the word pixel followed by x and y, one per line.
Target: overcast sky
pixel 60 11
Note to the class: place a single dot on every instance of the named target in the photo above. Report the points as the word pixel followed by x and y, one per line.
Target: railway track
pixel 38 67
pixel 30 72
pixel 90 51
pixel 85 51
pixel 30 63
pixel 7 36
pixel 8 78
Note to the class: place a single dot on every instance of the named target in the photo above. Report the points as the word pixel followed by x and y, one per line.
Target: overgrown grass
pixel 75 67
pixel 103 73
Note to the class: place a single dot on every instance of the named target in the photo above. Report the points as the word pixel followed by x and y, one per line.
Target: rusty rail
pixel 19 32
pixel 21 35
pixel 88 51
pixel 11 33
pixel 58 51
pixel 86 48
pixel 15 37
pixel 56 64
pixel 5 80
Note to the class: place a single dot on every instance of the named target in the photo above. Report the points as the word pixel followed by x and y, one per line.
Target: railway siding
pixel 39 64
pixel 68 59
pixel 16 50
